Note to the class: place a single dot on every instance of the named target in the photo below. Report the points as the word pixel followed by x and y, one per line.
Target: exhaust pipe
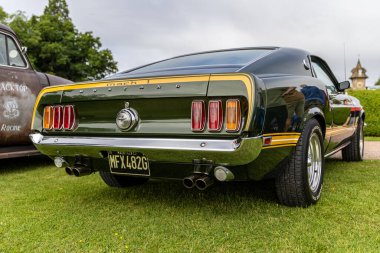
pixel 204 182
pixel 81 171
pixel 69 171
pixel 189 182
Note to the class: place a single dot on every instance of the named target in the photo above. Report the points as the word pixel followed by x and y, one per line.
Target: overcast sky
pixel 142 31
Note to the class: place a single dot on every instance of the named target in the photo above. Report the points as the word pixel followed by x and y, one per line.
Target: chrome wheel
pixel 361 142
pixel 314 162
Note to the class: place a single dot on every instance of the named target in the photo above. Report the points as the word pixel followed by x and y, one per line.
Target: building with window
pixel 358 77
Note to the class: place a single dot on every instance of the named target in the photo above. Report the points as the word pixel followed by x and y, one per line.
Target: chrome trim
pixel 220 121
pixel 204 119
pixel 127 119
pixel 238 109
pixel 16 41
pixel 337 149
pixel 228 152
pixel 146 143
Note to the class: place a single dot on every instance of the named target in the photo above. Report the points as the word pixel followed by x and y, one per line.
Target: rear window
pixel 233 57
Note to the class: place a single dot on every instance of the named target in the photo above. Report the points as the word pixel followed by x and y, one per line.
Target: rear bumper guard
pixel 227 152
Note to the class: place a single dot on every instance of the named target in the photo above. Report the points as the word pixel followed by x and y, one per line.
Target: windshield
pixel 233 57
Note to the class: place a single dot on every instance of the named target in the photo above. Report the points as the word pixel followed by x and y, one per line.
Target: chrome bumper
pixel 227 152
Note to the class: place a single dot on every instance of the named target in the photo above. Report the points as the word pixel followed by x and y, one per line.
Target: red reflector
pixel 198 116
pixel 267 141
pixel 68 117
pixel 356 109
pixel 215 115
pixel 58 117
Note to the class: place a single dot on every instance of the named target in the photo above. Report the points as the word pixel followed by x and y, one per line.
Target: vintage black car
pixel 19 87
pixel 237 114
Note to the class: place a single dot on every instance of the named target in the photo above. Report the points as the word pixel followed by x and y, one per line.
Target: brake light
pixel 215 115
pixel 48 117
pixel 233 115
pixel 58 117
pixel 198 116
pixel 68 117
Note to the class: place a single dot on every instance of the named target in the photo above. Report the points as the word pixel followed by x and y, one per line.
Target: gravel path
pixel 371 151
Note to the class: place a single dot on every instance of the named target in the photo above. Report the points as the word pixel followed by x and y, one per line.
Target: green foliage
pixel 44 210
pixel 370 99
pixel 378 82
pixel 3 16
pixel 55 46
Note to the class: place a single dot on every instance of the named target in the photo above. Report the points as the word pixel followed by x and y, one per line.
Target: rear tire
pixel 355 151
pixel 121 181
pixel 300 180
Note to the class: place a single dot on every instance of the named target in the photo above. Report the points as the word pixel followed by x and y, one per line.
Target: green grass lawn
pixel 43 210
pixel 371 138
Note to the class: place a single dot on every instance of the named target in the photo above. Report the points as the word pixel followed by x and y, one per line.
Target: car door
pixel 343 124
pixel 19 86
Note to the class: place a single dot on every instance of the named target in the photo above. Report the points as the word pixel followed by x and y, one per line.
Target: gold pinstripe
pixel 282 140
pixel 245 78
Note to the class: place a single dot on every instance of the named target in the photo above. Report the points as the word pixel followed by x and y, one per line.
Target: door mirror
pixel 344 85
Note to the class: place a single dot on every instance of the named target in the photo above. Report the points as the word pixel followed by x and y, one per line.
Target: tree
pixel 378 82
pixel 3 15
pixel 55 46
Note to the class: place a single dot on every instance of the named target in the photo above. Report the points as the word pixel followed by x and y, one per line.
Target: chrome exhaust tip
pixel 80 171
pixel 69 171
pixel 189 182
pixel 204 182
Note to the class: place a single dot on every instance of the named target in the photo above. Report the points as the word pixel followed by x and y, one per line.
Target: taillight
pixel 58 117
pixel 48 117
pixel 215 115
pixel 198 116
pixel 233 115
pixel 68 117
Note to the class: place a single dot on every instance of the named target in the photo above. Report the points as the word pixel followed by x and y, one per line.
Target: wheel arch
pixel 317 114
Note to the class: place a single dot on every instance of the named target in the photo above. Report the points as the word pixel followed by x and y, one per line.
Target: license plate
pixel 128 163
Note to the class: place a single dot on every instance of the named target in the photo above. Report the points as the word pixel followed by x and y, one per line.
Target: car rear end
pixel 203 123
pixel 189 120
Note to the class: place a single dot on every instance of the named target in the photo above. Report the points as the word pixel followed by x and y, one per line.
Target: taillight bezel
pixel 220 116
pixel 71 109
pixel 51 117
pixel 238 112
pixel 203 116
pixel 58 113
pixel 60 122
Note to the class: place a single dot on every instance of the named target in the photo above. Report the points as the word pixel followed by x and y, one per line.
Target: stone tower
pixel 358 77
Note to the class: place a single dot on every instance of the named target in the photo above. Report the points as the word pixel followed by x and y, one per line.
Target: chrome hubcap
pixel 314 162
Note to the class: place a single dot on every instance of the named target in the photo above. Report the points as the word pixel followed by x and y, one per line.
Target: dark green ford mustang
pixel 239 114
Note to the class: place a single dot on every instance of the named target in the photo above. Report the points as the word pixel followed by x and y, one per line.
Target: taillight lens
pixel 68 117
pixel 48 117
pixel 58 117
pixel 233 115
pixel 198 116
pixel 215 115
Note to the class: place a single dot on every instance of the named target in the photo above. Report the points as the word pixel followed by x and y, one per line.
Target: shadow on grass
pixel 17 165
pixel 172 194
